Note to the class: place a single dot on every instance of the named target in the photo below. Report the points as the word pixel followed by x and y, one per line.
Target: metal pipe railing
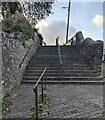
pixel 103 65
pixel 91 52
pixel 59 53
pixel 60 61
pixel 25 55
pixel 35 89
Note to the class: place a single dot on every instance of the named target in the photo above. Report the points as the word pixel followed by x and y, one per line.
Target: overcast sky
pixel 85 16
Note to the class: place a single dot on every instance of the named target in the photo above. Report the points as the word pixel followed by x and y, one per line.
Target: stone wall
pixel 14 49
pixel 0 77
pixel 87 49
pixel 93 52
pixel 90 49
pixel 0 67
pixel 77 40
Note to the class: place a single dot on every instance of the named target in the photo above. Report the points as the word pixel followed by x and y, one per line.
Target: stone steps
pixel 54 71
pixel 57 75
pixel 52 67
pixel 55 65
pixel 74 68
pixel 63 78
pixel 97 82
pixel 56 61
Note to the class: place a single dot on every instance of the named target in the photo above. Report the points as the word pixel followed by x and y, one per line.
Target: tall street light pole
pixel 67 31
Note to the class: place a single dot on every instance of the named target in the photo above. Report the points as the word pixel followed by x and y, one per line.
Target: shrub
pixel 7 25
pixel 18 24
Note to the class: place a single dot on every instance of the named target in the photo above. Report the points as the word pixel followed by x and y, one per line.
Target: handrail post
pixel 57 41
pixel 42 88
pixel 45 80
pixel 60 60
pixel 36 91
pixel 104 67
pixel 60 71
pixel 36 102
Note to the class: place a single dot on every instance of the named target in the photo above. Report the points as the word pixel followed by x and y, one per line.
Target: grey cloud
pixel 54 29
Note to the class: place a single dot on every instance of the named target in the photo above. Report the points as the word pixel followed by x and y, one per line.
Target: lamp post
pixel 68 17
pixel 67 31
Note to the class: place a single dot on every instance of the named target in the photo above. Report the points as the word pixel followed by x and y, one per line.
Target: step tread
pixel 33 81
pixel 99 77
pixel 75 68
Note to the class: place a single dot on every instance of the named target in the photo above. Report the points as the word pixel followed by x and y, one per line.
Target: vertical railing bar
pixel 102 66
pixel 45 80
pixel 36 92
pixel 42 87
pixel 59 55
pixel 36 102
pixel 60 60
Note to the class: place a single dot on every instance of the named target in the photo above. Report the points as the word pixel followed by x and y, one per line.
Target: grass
pixel 41 106
pixel 44 99
pixel 33 115
pixel 6 100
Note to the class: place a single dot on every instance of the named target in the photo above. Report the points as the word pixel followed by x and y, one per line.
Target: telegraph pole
pixel 67 31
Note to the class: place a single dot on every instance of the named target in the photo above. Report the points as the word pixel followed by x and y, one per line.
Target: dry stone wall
pixel 13 51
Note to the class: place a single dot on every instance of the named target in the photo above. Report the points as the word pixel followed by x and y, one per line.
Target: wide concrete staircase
pixel 74 68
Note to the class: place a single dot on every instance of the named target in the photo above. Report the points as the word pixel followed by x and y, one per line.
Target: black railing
pixel 87 50
pixel 89 56
pixel 44 43
pixel 104 55
pixel 93 51
pixel 25 55
pixel 35 89
pixel 60 57
pixel 103 70
pixel 60 61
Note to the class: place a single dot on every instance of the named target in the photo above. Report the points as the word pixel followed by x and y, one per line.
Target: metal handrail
pixel 59 53
pixel 60 61
pixel 44 43
pixel 36 90
pixel 91 51
pixel 40 78
pixel 26 55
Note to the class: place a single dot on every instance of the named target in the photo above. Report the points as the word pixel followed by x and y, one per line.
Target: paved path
pixel 0 75
pixel 65 101
pixel 75 101
pixel 22 102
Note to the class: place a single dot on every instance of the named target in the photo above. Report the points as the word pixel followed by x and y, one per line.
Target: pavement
pixel 64 101
pixel 22 101
pixel 75 101
pixel 0 76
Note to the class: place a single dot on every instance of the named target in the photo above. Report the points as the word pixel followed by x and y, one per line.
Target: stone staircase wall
pixel 14 49
pixel 74 67
pixel 0 67
pixel 92 50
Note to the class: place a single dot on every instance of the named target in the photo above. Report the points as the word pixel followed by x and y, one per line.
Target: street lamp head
pixel 64 7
